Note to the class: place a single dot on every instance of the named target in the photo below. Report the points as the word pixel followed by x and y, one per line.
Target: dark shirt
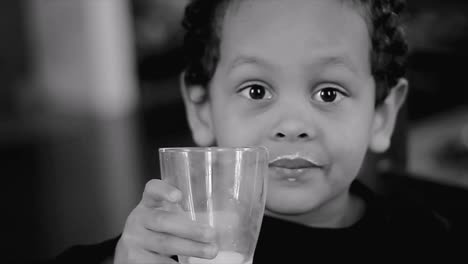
pixel 390 230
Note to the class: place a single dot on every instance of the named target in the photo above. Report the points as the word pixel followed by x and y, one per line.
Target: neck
pixel 339 212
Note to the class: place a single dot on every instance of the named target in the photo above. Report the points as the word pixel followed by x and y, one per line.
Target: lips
pixel 293 168
pixel 293 163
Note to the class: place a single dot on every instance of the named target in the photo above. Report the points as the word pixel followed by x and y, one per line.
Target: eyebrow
pixel 250 60
pixel 338 61
pixel 325 62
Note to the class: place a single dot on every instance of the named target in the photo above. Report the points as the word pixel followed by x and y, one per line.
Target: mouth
pixel 293 168
pixel 294 162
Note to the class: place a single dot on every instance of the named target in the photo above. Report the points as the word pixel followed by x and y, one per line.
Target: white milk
pixel 223 257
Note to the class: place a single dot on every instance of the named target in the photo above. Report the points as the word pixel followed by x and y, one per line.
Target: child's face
pixel 295 76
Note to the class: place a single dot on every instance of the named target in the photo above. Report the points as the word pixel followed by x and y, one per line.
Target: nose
pixel 294 118
pixel 293 130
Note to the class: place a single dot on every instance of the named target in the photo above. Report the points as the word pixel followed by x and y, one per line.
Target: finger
pixel 144 257
pixel 179 225
pixel 168 245
pixel 127 252
pixel 158 191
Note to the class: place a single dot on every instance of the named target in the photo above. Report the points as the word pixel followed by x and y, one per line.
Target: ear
pixel 198 111
pixel 386 115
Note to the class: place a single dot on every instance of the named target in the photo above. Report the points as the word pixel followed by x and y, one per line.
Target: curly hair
pixel 202 22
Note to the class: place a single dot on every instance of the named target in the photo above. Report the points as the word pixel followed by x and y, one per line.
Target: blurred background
pixel 89 93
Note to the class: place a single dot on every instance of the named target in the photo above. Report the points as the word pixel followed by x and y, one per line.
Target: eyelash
pixel 339 93
pixel 246 92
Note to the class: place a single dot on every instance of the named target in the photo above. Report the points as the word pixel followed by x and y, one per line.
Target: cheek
pixel 349 144
pixel 234 129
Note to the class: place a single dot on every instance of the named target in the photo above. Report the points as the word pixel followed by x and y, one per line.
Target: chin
pixel 287 211
pixel 292 203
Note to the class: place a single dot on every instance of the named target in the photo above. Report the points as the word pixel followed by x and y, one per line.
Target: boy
pixel 307 79
pixel 319 83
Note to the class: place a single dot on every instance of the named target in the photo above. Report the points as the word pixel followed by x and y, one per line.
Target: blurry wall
pixel 70 147
pixel 13 55
pixel 438 98
pixel 83 56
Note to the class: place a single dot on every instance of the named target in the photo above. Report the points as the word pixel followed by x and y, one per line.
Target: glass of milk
pixel 222 187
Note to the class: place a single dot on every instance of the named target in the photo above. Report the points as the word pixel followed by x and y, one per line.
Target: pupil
pixel 257 92
pixel 328 95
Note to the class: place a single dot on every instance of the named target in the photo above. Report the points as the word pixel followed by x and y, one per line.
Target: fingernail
pixel 210 250
pixel 209 233
pixel 174 196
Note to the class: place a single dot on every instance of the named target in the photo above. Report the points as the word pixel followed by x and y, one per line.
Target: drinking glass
pixel 224 188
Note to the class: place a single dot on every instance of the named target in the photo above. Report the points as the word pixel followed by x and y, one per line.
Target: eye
pixel 329 95
pixel 255 91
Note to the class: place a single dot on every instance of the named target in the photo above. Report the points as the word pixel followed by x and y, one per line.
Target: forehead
pixel 295 31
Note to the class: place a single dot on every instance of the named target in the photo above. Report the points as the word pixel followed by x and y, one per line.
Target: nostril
pixel 280 135
pixel 303 135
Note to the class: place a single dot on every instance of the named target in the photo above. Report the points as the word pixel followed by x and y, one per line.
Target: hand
pixel 152 234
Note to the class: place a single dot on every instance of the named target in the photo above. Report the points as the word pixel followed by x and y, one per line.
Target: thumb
pixel 157 192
